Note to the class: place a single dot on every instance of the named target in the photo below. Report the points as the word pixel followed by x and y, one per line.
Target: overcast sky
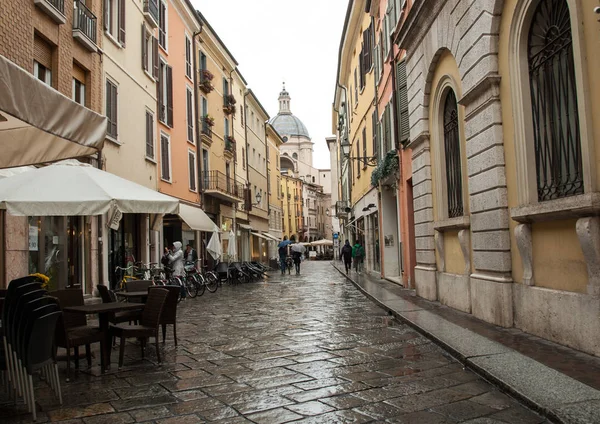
pixel 295 41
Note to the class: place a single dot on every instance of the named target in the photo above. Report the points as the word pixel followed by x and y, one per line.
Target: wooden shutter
pixel 114 106
pixel 169 96
pixel 402 92
pixel 387 129
pixel 162 115
pixel 357 155
pixel 367 54
pixel 190 118
pixel 164 158
pixel 42 52
pixel 364 153
pixel 192 166
pixel 374 140
pixel 144 49
pixel 149 135
pixel 111 109
pixel 155 61
pixel 122 22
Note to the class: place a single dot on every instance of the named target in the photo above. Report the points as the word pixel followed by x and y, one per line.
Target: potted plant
pixel 229 143
pixel 210 121
pixel 229 104
pixel 206 78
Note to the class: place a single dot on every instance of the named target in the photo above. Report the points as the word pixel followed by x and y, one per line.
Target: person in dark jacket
pixel 347 255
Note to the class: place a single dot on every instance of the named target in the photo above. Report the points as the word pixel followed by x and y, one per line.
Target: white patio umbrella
pixel 214 246
pixel 232 248
pixel 73 188
pixel 322 242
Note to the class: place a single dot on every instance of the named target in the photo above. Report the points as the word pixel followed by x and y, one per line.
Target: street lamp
pixel 258 199
pixel 367 160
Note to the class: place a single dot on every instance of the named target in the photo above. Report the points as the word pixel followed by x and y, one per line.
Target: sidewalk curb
pixel 582 406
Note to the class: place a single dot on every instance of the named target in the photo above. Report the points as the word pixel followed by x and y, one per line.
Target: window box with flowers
pixel 208 120
pixel 206 78
pixel 229 104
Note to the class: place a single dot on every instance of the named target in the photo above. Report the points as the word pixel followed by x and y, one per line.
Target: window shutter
pixel 164 157
pixel 374 128
pixel 42 52
pixel 122 22
pixel 388 129
pixel 192 166
pixel 162 116
pixel 144 49
pixel 190 119
pixel 367 49
pixel 361 62
pixel 401 83
pixel 155 57
pixel 106 15
pixel 108 109
pixel 376 58
pixel 149 135
pixel 169 96
pixel 115 115
pixel 364 134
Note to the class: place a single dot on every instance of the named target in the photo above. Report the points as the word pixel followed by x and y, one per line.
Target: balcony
pixel 53 8
pixel 341 209
pixel 151 12
pixel 229 146
pixel 84 26
pixel 207 124
pixel 229 104
pixel 219 185
pixel 205 83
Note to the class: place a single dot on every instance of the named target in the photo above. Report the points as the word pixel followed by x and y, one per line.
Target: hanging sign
pixel 114 218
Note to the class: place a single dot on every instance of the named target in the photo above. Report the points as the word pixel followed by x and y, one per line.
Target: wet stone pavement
pixel 308 348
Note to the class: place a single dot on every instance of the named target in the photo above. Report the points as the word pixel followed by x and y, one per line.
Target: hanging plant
pixel 386 167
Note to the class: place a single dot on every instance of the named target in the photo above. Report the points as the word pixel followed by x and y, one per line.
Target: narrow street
pixel 310 348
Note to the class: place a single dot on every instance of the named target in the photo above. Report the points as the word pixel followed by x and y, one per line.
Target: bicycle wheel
pixel 212 281
pixel 200 284
pixel 190 286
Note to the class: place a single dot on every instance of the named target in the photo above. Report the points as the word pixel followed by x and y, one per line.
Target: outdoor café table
pixel 143 294
pixel 104 310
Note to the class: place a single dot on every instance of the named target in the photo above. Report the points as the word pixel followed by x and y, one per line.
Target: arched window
pixel 555 116
pixel 295 155
pixel 452 156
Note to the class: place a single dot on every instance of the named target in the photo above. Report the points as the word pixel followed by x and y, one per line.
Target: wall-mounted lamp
pixel 258 198
pixel 367 160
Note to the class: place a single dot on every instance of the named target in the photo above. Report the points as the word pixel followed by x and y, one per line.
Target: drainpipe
pixel 197 116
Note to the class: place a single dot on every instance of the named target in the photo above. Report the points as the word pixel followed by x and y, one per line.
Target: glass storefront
pixel 123 246
pixel 59 247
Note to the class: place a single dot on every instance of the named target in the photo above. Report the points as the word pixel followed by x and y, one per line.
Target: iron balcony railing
pixel 151 7
pixel 84 20
pixel 218 181
pixel 58 5
pixel 340 208
pixel 229 144
pixel 206 128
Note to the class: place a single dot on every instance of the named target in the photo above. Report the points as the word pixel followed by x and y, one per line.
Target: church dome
pixel 289 125
pixel 285 122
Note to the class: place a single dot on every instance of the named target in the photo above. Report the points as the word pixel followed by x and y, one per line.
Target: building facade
pixel 503 176
pixel 58 44
pixel 293 221
pixel 274 142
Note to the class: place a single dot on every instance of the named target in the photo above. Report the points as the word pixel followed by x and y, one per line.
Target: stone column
pixel 425 270
pixel 491 288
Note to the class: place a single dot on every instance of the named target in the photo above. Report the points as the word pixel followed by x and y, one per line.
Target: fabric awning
pixel 71 188
pixel 272 237
pixel 196 219
pixel 244 227
pixel 261 236
pixel 38 124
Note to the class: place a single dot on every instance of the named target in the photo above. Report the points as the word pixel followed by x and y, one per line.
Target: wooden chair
pixel 149 323
pixel 169 313
pixel 72 330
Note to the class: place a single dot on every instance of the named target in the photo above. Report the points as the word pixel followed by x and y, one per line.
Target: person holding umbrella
pixel 282 250
pixel 297 251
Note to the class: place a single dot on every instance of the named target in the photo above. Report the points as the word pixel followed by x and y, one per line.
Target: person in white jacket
pixel 176 259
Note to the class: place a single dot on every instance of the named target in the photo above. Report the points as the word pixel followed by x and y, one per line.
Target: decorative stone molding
pixel 459 222
pixel 525 245
pixel 465 247
pixel 567 207
pixel 588 231
pixel 439 245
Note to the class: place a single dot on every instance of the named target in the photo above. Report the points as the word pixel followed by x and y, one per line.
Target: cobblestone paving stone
pixel 309 349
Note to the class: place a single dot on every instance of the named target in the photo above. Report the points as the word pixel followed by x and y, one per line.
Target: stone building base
pixel 455 291
pixel 492 301
pixel 425 282
pixel 567 318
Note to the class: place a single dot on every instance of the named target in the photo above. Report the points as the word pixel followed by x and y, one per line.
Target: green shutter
pixel 402 92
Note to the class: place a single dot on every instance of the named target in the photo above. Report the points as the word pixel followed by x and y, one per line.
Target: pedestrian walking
pixel 297 251
pixel 282 250
pixel 358 256
pixel 346 255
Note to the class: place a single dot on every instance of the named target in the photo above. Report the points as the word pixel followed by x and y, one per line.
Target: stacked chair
pixel 29 319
